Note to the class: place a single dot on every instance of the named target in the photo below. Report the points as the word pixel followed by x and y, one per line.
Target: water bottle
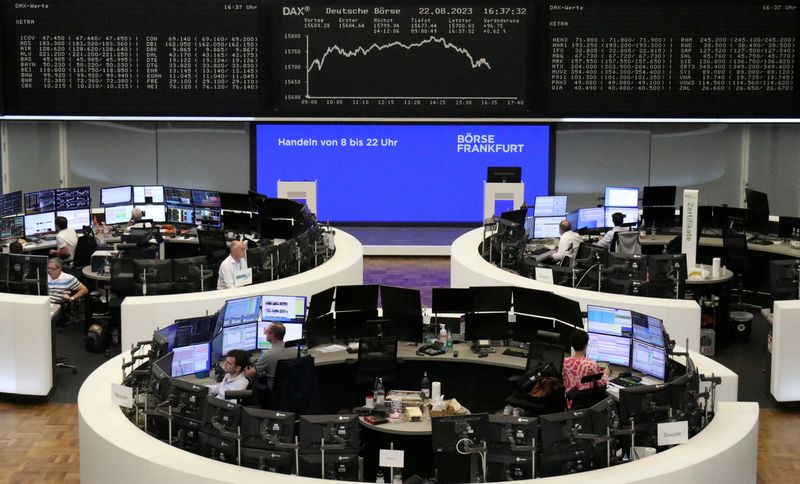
pixel 449 343
pixel 107 266
pixel 379 477
pixel 380 391
pixel 425 385
pixel 443 334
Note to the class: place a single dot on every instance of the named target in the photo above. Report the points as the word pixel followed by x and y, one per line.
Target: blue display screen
pixel 400 173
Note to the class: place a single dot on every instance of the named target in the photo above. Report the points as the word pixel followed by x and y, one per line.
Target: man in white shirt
pixel 66 240
pixel 618 219
pixel 61 286
pixel 568 242
pixel 235 363
pixel 232 264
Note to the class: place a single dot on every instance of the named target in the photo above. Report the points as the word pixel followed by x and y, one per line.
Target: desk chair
pixel 626 243
pixel 213 244
pixel 296 388
pixel 588 398
pixel 87 245
pixel 377 357
pixel 737 260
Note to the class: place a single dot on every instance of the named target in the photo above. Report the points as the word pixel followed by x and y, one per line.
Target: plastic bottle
pixel 379 477
pixel 380 391
pixel 425 385
pixel 107 266
pixel 449 343
pixel 443 334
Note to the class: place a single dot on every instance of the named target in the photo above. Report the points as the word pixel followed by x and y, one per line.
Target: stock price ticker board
pixel 148 57
pixel 544 59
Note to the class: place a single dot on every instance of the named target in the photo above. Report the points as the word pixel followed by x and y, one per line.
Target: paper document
pixel 331 348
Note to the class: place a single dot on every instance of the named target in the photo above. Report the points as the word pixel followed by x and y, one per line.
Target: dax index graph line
pixel 362 51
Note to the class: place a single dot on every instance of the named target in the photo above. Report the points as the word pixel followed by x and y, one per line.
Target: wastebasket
pixel 742 325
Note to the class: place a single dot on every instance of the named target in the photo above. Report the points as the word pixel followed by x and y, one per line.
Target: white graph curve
pixel 361 50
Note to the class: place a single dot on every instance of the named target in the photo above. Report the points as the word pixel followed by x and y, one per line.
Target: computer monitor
pixel 553 206
pixel 338 465
pixel 335 429
pixel 179 214
pixel 611 321
pixel 621 197
pixel 609 349
pixel 208 217
pixel 631 215
pixel 658 196
pixel 265 429
pixel 757 221
pixel 116 196
pixel 546 227
pixel 241 311
pixel 357 298
pixel 177 196
pixel 76 218
pixel 10 203
pixel 504 174
pixel 294 332
pixel 783 279
pixel 283 308
pixel 683 392
pixel 451 300
pixel 191 274
pixel 235 201
pixel 563 452
pixel 321 304
pixel 649 359
pixel 658 217
pixel 148 194
pixel 153 276
pixel 158 386
pixel 667 273
pixel 238 222
pixel 491 326
pixel 73 198
pixel 271 460
pixel 188 331
pixel 449 434
pixel 187 399
pixel 591 218
pixel 647 405
pixel 400 300
pixel 206 198
pixel 191 359
pixel 118 214
pixel 756 201
pixel 40 223
pixel 221 416
pixel 240 337
pixel 12 227
pixel 39 202
pixel 491 298
pixel 648 329
pixel 156 213
pixel 787 226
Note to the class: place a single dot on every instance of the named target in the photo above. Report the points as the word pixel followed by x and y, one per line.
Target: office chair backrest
pixel 296 388
pixel 86 246
pixel 122 281
pixel 627 243
pixel 735 246
pixel 377 355
pixel 213 244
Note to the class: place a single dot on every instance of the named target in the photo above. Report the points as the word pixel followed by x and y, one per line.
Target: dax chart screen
pixel 364 59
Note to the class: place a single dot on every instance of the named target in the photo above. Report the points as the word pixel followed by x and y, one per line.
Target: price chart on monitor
pixel 369 59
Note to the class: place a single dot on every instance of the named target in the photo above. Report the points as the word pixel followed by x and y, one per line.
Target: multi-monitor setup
pixel 34 213
pixel 162 204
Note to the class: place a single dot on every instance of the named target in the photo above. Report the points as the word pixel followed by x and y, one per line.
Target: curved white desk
pixel 784 381
pixel 467 268
pixel 143 314
pixel 113 449
pixel 26 345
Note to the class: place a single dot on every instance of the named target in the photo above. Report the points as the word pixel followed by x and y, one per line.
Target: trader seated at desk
pixel 618 219
pixel 234 263
pixel 61 286
pixel 236 363
pixel 578 366
pixel 66 240
pixel 568 242
pixel 268 363
pixel 136 217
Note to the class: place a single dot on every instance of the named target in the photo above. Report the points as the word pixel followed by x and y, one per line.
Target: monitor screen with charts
pixel 240 337
pixel 40 223
pixel 156 213
pixel 76 218
pixel 555 206
pixel 240 311
pixel 294 331
pixel 155 193
pixel 622 197
pixel 546 227
pixel 188 360
pixel 611 321
pixel 120 214
pixel 609 349
pixel 648 329
pixel 10 203
pixel 631 215
pixel 283 308
pixel 73 198
pixel 115 195
pixel 12 227
pixel 650 360
pixel 180 214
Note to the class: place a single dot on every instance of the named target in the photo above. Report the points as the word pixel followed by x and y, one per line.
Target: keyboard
pixel 758 241
pixel 540 250
pixel 625 382
pixel 520 352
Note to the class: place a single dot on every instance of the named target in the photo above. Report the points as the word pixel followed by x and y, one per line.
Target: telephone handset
pixel 436 348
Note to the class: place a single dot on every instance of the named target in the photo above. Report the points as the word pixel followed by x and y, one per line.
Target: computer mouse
pixel 455 354
pixel 483 355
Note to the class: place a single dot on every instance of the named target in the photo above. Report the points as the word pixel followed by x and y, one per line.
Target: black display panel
pixel 363 58
pixel 10 203
pixel 670 58
pixel 150 57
